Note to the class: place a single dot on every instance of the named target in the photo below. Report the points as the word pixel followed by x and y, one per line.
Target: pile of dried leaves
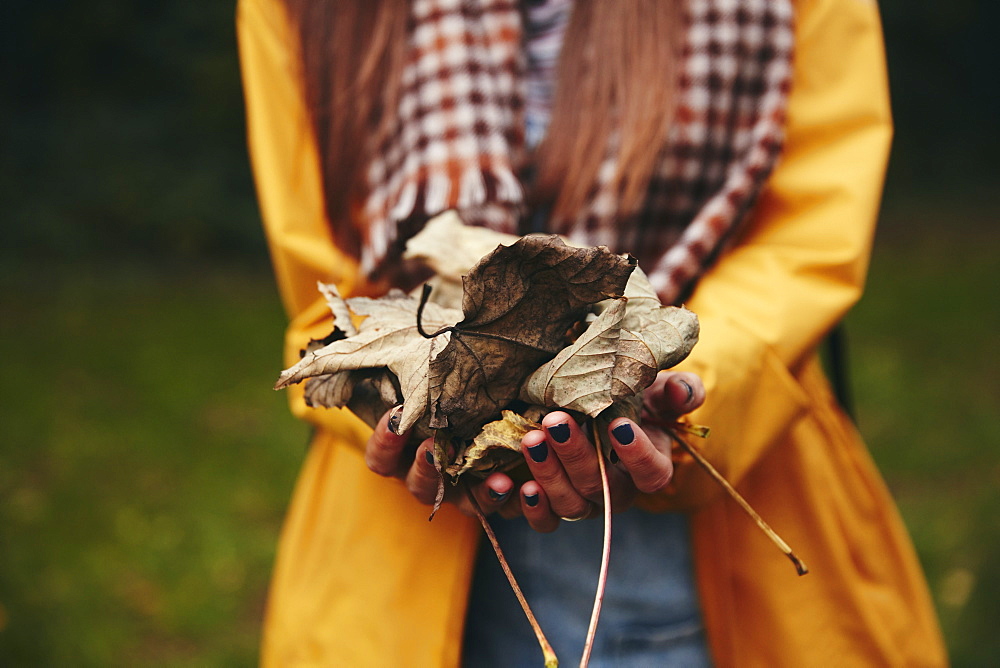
pixel 542 325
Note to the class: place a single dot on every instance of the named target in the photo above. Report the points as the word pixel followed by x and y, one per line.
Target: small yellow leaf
pixel 497 447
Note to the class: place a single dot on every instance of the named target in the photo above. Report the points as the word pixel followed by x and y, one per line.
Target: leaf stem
pixel 425 295
pixel 800 566
pixel 550 656
pixel 602 580
pixel 420 312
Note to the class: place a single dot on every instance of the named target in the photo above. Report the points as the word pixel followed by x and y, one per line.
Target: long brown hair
pixel 616 67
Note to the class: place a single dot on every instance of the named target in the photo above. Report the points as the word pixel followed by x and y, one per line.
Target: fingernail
pixel 531 499
pixel 394 419
pixel 690 390
pixel 539 452
pixel 614 457
pixel 495 495
pixel 559 432
pixel 429 457
pixel 623 433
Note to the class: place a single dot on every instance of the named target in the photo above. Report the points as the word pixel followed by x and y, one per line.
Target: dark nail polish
pixel 539 452
pixel 559 432
pixel 531 500
pixel 623 433
pixel 614 457
pixel 394 419
pixel 429 457
pixel 497 496
pixel 690 391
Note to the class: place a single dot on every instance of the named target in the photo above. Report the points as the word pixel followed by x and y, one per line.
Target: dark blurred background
pixel 145 463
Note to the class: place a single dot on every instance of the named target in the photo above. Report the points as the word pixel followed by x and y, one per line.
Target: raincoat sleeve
pixel 801 262
pixel 286 171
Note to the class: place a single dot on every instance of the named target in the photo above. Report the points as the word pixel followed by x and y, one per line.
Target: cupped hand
pixel 394 455
pixel 563 461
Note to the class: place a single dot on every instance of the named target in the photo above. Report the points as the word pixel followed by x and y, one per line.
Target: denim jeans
pixel 650 615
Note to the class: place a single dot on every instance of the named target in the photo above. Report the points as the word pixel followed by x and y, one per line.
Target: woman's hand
pixel 563 461
pixel 392 455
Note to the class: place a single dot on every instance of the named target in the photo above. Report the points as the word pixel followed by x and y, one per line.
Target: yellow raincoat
pixel 362 579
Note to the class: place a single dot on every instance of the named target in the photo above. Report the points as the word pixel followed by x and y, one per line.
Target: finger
pixel 491 494
pixel 578 457
pixel 576 454
pixel 536 509
pixel 547 470
pixel 673 394
pixel 384 450
pixel 423 479
pixel 651 469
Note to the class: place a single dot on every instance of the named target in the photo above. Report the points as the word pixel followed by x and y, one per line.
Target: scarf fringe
pixel 406 201
pixel 437 194
pixel 472 189
pixel 509 189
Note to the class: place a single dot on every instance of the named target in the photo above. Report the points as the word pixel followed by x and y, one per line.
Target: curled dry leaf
pixel 618 355
pixel 341 312
pixel 331 389
pixel 388 339
pixel 653 337
pixel 579 377
pixel 519 302
pixel 450 249
pixel 496 448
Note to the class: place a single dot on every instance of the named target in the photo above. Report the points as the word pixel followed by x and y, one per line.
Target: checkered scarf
pixel 459 136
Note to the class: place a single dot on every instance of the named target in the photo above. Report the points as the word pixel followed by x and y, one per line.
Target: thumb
pixel 673 394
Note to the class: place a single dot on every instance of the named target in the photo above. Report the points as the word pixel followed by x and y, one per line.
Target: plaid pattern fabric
pixel 459 129
pixel 460 135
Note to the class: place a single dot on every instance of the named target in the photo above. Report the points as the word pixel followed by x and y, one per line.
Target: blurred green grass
pixel 145 462
pixel 926 377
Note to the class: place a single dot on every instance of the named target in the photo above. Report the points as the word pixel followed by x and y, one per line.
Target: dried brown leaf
pixel 388 338
pixel 496 448
pixel 519 303
pixel 670 332
pixel 579 377
pixel 653 337
pixel 451 248
pixel 618 355
pixel 338 306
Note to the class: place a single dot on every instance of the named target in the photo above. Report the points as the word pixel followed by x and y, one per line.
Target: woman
pixel 668 121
